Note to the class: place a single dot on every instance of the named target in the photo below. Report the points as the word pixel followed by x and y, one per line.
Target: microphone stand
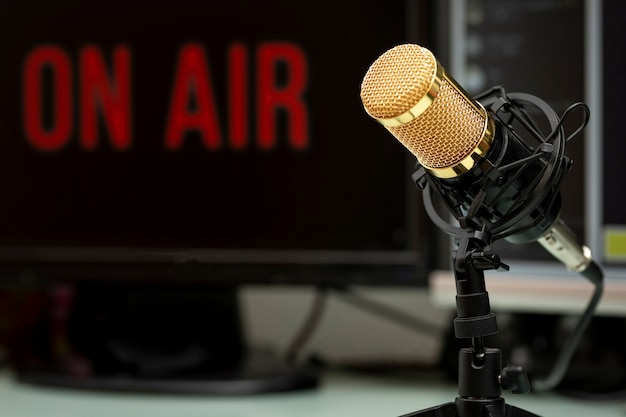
pixel 481 375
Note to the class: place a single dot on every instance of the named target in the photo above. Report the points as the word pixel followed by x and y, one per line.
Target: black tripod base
pixel 481 379
pixel 464 407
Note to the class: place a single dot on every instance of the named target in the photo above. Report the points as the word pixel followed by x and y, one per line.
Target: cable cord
pixel 554 378
pixel 308 328
pixel 388 313
pixel 318 307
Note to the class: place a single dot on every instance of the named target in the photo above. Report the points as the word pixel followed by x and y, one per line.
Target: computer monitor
pixel 562 52
pixel 157 155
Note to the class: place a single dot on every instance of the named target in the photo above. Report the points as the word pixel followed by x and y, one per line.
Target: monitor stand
pixel 152 338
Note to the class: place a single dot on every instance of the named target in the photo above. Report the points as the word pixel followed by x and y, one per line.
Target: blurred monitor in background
pixel 158 155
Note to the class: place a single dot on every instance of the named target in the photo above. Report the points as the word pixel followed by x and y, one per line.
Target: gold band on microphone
pixel 421 106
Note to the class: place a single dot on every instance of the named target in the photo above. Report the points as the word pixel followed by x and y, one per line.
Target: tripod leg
pixel 443 410
pixel 488 410
pixel 512 411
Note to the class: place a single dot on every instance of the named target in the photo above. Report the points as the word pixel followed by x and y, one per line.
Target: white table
pixel 340 395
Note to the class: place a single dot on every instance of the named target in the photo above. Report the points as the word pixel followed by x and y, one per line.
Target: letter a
pixel 192 81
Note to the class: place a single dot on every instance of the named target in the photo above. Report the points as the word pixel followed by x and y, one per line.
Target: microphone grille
pixel 397 80
pixel 408 91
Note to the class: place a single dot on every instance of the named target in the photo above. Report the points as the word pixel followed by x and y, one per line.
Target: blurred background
pixel 183 184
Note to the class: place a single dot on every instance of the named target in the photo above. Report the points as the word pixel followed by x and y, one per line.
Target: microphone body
pixel 410 93
pixel 474 159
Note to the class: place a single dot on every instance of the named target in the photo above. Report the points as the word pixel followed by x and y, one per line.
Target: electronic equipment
pixel 159 155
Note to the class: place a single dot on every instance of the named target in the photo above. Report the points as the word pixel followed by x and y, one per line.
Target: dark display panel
pixel 562 52
pixel 534 47
pixel 614 146
pixel 208 126
pixel 161 154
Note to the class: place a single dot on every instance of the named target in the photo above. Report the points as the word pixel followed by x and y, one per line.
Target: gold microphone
pixel 408 91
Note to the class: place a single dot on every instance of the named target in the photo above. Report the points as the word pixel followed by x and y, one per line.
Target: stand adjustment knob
pixel 513 378
pixel 485 261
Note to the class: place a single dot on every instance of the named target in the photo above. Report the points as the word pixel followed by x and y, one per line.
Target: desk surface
pixel 339 395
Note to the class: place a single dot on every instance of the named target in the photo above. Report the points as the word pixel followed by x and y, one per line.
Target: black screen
pixel 209 125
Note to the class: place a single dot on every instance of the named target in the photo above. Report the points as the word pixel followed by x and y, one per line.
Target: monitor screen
pixel 563 53
pixel 201 134
pixel 212 144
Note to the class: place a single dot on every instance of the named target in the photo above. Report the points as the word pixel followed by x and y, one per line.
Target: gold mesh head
pixel 408 91
pixel 397 81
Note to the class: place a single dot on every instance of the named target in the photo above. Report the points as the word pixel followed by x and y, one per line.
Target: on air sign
pixel 209 124
pixel 63 99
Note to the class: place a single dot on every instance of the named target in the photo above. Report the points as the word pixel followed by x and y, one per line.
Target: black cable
pixel 309 326
pixel 561 365
pixel 388 312
pixel 587 115
pixel 318 308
